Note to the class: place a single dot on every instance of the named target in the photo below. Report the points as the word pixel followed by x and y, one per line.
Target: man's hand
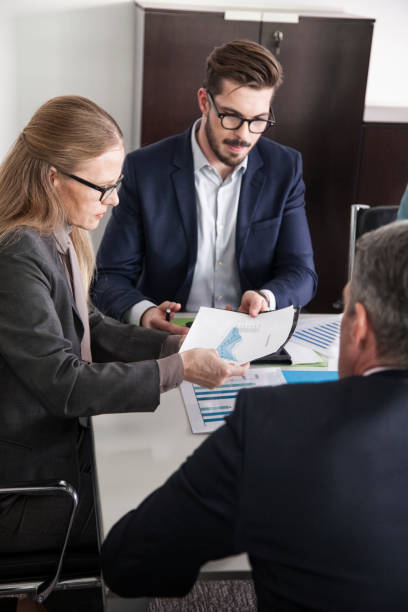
pixel 155 318
pixel 253 303
pixel 206 368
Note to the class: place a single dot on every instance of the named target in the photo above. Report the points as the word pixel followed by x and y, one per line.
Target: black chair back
pixel 371 218
pixel 364 219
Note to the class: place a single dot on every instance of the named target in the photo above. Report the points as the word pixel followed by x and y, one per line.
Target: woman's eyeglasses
pixel 105 191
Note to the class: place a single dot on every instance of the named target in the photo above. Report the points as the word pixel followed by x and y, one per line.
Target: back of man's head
pixel 245 62
pixel 380 283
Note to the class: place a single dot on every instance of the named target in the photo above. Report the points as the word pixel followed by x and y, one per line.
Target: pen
pixel 168 312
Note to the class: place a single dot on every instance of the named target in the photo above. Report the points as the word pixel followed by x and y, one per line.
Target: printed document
pixel 207 409
pixel 237 336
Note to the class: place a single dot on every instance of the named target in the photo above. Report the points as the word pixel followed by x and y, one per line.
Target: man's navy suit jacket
pixel 149 248
pixel 310 480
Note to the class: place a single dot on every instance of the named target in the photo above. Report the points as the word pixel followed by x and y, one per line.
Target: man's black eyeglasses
pixel 105 191
pixel 233 122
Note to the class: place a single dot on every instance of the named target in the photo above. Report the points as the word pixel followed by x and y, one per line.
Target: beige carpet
pixel 211 596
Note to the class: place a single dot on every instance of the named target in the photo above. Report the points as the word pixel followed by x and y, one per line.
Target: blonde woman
pixel 60 359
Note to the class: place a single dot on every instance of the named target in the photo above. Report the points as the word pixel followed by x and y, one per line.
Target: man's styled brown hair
pixel 245 62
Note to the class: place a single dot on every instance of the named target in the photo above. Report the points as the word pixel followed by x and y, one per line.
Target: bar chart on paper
pixel 207 408
pixel 322 337
pixel 212 403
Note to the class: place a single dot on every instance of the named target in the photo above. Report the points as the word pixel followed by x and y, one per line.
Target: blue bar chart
pixel 322 337
pixel 208 408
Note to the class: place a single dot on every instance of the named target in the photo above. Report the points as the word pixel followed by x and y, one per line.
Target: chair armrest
pixel 52 488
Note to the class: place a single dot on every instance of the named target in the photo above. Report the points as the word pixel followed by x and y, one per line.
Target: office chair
pixel 37 575
pixel 364 219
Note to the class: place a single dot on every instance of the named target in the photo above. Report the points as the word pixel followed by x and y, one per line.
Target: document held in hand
pixel 237 336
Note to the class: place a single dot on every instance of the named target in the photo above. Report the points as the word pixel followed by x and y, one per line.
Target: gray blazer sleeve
pixel 40 335
pixel 115 341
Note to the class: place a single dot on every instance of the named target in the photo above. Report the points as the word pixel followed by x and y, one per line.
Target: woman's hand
pixel 206 368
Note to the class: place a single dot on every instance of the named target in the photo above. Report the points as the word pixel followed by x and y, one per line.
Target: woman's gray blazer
pixel 44 385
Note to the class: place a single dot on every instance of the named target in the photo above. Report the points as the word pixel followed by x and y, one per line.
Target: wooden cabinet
pixel 383 173
pixel 319 107
pixel 176 45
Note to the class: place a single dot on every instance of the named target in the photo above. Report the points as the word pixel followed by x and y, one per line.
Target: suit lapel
pixel 79 326
pixel 64 280
pixel 183 181
pixel 251 188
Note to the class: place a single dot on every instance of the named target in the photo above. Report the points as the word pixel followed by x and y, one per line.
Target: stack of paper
pixel 303 355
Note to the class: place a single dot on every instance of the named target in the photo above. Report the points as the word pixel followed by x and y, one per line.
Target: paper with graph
pixel 237 336
pixel 321 334
pixel 207 409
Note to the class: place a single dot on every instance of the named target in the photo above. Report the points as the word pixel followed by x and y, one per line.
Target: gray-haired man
pixel 310 480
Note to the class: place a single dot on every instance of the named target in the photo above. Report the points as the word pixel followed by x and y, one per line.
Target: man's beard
pixel 232 159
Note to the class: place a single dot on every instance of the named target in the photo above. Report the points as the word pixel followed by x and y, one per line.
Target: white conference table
pixel 136 452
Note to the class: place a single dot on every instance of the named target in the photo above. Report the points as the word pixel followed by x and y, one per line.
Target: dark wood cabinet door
pixel 384 164
pixel 319 111
pixel 176 45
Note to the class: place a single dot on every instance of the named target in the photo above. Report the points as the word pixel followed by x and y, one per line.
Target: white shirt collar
pixel 380 369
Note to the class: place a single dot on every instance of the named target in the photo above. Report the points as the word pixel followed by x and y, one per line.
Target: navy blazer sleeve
pixel 293 279
pixel 158 548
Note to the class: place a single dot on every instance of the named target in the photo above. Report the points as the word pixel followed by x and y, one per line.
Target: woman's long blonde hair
pixel 64 132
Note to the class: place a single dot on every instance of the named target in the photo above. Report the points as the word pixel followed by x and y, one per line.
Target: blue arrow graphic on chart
pixel 225 347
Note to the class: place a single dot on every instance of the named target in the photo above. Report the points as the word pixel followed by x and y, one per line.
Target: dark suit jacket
pixel 44 386
pixel 149 248
pixel 310 480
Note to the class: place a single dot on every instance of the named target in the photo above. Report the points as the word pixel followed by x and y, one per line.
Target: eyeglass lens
pixel 232 122
pixel 110 190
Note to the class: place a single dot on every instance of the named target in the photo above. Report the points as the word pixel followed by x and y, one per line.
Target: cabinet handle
pixel 276 39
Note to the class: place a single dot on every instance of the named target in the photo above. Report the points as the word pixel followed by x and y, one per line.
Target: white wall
pixel 53 48
pixel 65 47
